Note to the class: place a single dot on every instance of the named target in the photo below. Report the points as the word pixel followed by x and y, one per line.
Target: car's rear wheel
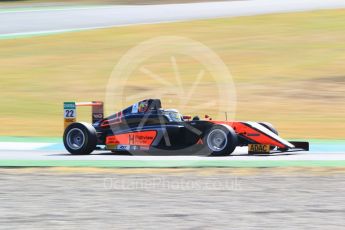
pixel 80 138
pixel 220 140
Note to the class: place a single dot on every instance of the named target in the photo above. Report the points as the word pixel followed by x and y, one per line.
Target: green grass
pixel 288 69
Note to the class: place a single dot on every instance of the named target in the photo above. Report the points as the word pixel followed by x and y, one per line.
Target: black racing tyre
pixel 269 126
pixel 220 140
pixel 80 138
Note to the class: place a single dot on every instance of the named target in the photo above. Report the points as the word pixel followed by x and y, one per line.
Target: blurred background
pixel 288 69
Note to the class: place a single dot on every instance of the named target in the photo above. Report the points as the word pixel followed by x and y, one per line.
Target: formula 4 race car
pixel 147 128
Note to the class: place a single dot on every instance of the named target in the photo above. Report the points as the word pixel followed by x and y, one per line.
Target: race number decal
pixel 70 113
pixel 69 110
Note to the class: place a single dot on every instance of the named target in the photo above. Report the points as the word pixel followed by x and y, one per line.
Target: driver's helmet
pixel 143 106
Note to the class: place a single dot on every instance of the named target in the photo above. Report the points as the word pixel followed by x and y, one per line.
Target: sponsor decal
pixel 111 146
pixel 257 148
pixel 135 147
pixel 69 119
pixel 111 140
pixel 69 105
pixel 144 148
pixel 136 139
pixel 97 111
pixel 123 147
pixel 97 116
pixel 142 138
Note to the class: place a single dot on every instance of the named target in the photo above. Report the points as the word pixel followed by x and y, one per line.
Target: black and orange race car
pixel 146 128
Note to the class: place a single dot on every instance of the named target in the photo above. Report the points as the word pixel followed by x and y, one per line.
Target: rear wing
pixel 70 111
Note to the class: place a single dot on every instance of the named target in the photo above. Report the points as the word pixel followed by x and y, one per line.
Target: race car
pixel 145 127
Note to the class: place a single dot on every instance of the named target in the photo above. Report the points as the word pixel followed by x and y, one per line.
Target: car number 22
pixel 69 113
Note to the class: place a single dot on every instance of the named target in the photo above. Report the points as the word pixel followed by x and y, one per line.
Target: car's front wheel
pixel 80 138
pixel 220 140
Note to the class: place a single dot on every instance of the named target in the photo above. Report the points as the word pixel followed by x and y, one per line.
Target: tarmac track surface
pixel 172 199
pixel 62 19
pixel 239 158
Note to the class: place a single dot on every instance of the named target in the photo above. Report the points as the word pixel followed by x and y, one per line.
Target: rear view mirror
pixel 187 117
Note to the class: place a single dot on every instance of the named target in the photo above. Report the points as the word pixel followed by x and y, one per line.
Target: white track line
pixel 23 145
pixel 64 20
